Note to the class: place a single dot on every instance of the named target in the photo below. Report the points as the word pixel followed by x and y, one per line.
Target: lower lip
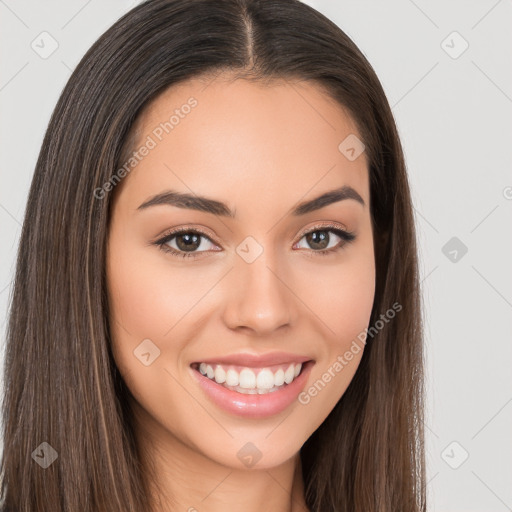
pixel 254 406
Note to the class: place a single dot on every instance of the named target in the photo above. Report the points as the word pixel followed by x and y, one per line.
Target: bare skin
pixel 261 149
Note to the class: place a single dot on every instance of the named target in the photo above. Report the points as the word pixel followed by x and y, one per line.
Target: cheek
pixel 342 295
pixel 145 299
pixel 348 301
pixel 138 309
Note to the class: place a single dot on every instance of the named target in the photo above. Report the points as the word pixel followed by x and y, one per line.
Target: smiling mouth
pixel 251 381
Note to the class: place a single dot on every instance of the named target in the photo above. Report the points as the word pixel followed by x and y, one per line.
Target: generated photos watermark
pixel 157 135
pixel 343 360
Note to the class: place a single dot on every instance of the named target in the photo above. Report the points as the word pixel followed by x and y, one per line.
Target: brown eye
pixel 185 243
pixel 188 241
pixel 321 240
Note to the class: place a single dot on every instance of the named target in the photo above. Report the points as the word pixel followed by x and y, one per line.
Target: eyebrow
pixel 205 204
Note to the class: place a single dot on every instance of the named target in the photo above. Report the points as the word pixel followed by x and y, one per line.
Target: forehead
pixel 245 142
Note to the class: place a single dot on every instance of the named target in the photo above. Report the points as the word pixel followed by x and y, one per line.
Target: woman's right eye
pixel 186 243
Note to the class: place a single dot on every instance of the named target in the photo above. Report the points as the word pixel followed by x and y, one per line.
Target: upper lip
pixel 257 361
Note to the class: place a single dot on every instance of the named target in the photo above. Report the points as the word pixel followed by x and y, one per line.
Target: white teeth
pixel 244 391
pixel 232 378
pixel 265 379
pixel 251 381
pixel 289 374
pixel 220 375
pixel 247 379
pixel 279 377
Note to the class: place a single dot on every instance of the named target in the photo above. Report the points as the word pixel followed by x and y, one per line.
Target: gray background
pixel 454 116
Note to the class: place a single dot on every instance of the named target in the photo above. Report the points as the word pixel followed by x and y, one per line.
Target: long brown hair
pixel 62 386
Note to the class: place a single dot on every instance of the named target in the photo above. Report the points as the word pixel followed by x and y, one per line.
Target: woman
pixel 216 302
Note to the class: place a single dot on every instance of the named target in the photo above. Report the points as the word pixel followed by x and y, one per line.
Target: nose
pixel 259 297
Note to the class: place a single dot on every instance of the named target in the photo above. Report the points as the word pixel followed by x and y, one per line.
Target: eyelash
pixel 346 236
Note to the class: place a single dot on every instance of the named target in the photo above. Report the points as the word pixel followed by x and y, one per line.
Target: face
pixel 255 283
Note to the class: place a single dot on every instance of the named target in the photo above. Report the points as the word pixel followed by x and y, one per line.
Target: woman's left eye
pixel 187 242
pixel 319 237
